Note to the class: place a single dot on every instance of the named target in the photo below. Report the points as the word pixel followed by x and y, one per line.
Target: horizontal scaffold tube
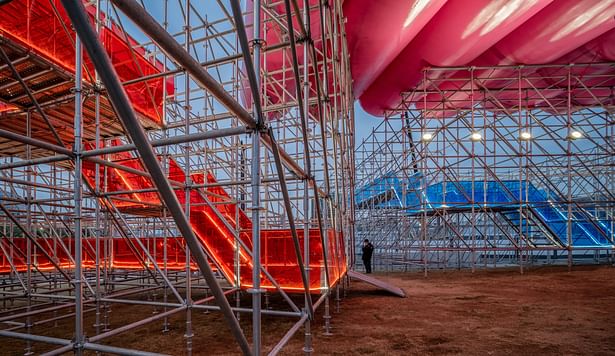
pixel 171 141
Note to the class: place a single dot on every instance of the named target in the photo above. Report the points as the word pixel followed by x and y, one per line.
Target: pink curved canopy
pixel 280 86
pixel 397 23
pixel 391 42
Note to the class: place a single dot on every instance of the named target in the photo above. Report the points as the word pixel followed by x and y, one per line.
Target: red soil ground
pixel 547 311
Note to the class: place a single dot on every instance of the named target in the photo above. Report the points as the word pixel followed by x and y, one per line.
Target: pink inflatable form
pixel 279 85
pixel 391 42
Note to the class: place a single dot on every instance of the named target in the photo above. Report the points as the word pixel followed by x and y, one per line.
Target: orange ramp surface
pixel 213 217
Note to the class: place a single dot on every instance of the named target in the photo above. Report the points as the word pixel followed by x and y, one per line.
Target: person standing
pixel 368 251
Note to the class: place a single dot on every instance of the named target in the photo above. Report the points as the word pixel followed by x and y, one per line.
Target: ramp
pixel 546 205
pixel 378 283
pixel 214 218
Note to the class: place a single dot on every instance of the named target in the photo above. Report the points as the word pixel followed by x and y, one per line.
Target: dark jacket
pixel 368 250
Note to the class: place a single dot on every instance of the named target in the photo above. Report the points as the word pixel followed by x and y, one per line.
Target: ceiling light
pixel 574 135
pixel 525 136
pixel 427 136
pixel 476 136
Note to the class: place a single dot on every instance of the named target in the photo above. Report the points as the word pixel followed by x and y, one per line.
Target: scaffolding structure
pixel 102 197
pixel 492 166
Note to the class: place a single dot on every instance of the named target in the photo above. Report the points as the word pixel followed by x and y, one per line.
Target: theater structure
pixel 178 156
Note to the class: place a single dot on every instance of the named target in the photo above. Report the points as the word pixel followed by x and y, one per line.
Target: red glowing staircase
pixel 39 41
pixel 216 221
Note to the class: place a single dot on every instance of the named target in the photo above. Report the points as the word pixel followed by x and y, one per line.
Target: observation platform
pixel 523 205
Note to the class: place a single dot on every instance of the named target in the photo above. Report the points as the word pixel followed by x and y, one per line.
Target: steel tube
pixel 248 310
pixel 35 161
pixel 289 334
pixel 171 141
pixel 34 142
pixel 118 350
pixel 253 70
pixel 293 330
pixel 86 345
pixel 36 338
pixel 187 193
pixel 79 337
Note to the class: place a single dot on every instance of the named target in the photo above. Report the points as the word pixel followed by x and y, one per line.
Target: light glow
pixel 494 14
pixel 575 135
pixel 416 9
pixel 476 136
pixel 525 136
pixel 427 136
pixel 586 20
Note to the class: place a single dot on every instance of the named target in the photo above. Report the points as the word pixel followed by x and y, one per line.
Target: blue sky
pixel 364 122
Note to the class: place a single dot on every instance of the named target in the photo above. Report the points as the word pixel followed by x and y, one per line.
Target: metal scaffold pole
pixel 187 193
pixel 79 331
pixel 256 181
pixel 253 69
pixel 98 230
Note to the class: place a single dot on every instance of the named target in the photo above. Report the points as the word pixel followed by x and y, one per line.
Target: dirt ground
pixel 547 311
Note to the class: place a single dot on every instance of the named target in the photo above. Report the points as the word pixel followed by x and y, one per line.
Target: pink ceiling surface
pixel 390 42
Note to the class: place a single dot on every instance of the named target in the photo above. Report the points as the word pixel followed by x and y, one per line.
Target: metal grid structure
pixel 289 164
pixel 492 166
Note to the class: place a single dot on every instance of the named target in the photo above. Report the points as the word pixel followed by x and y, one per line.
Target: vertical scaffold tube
pixel 256 201
pixel 189 333
pixel 97 187
pixel 79 337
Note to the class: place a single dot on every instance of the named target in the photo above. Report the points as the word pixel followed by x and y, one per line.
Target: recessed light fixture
pixel 427 136
pixel 525 136
pixel 574 135
pixel 476 136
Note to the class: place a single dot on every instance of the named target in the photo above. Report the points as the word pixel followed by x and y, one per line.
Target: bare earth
pixel 547 311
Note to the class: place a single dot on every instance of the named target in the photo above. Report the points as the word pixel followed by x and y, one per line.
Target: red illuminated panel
pixel 125 258
pixel 6 107
pixel 38 26
pixel 122 256
pixel 216 227
pixel 17 247
pixel 278 257
pixel 280 260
